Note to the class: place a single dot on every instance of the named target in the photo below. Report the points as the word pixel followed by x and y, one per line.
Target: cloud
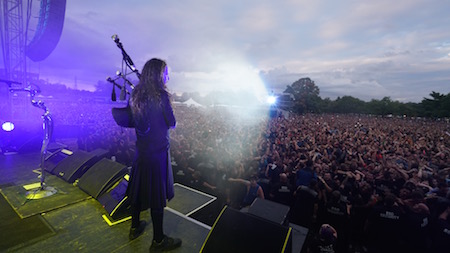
pixel 367 49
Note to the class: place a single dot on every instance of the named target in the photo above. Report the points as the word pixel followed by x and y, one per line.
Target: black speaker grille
pixel 53 160
pixel 101 176
pixel 74 166
pixel 236 231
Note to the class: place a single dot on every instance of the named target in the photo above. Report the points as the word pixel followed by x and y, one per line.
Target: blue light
pixel 8 126
pixel 271 100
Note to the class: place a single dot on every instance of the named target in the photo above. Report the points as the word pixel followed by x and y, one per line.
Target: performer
pixel 151 181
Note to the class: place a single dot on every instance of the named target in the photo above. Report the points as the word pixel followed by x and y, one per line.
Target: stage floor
pixel 76 218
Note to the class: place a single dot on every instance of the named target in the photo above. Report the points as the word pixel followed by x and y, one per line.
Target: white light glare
pixel 271 100
pixel 8 126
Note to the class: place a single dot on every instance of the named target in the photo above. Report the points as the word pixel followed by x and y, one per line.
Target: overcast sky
pixel 366 49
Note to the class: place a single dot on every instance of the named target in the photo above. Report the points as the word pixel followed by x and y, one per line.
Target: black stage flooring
pixel 71 220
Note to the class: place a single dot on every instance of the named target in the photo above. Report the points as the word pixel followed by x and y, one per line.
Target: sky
pixel 365 49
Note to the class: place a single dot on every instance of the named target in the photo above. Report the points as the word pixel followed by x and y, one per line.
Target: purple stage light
pixel 8 126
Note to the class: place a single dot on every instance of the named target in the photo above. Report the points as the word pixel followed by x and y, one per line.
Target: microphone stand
pixel 44 190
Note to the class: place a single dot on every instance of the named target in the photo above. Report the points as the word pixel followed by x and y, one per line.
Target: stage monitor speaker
pixel 101 176
pixel 55 158
pixel 74 166
pixel 270 210
pixel 100 153
pixel 299 235
pixel 54 146
pixel 236 231
pixel 115 201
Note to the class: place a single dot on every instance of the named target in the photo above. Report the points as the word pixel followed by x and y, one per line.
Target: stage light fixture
pixel 271 100
pixel 8 126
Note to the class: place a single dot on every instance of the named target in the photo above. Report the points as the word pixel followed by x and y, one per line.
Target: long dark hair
pixel 149 90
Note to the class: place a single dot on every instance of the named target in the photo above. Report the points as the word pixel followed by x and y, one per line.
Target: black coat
pixel 151 179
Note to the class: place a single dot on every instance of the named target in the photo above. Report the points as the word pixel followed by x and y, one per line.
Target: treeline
pixel 305 98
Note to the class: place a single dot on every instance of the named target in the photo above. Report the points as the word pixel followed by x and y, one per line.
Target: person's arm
pixel 315 210
pixel 402 172
pixel 327 187
pixel 296 147
pixel 315 156
pixel 361 160
pixel 344 182
pixel 239 180
pixel 446 170
pixel 266 171
pixel 361 175
pixel 427 168
pixel 420 173
pixel 212 187
pixel 168 112
pixel 424 185
pixel 260 193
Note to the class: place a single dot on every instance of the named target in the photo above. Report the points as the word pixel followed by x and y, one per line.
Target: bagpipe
pixel 122 116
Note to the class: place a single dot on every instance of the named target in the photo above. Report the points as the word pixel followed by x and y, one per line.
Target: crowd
pixel 382 184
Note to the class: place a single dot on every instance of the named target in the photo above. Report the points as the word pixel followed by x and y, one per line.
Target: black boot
pixel 136 232
pixel 166 244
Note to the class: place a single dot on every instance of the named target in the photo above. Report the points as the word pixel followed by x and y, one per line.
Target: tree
pixel 306 95
pixel 381 107
pixel 348 104
pixel 438 106
pixel 103 88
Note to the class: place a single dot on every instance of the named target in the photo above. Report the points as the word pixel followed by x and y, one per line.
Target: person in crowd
pixel 282 192
pixel 253 190
pixel 324 241
pixel 336 213
pixel 151 179
pixel 440 229
pixel 198 182
pixel 385 226
pixel 417 223
pixel 306 174
pixel 305 205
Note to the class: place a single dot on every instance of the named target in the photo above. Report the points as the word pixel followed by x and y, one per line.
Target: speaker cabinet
pixel 101 176
pixel 270 210
pixel 55 158
pixel 115 201
pixel 48 30
pixel 100 153
pixel 74 166
pixel 236 231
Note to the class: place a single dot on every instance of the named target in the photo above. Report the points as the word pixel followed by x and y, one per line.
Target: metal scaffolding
pixel 13 36
pixel 14 41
